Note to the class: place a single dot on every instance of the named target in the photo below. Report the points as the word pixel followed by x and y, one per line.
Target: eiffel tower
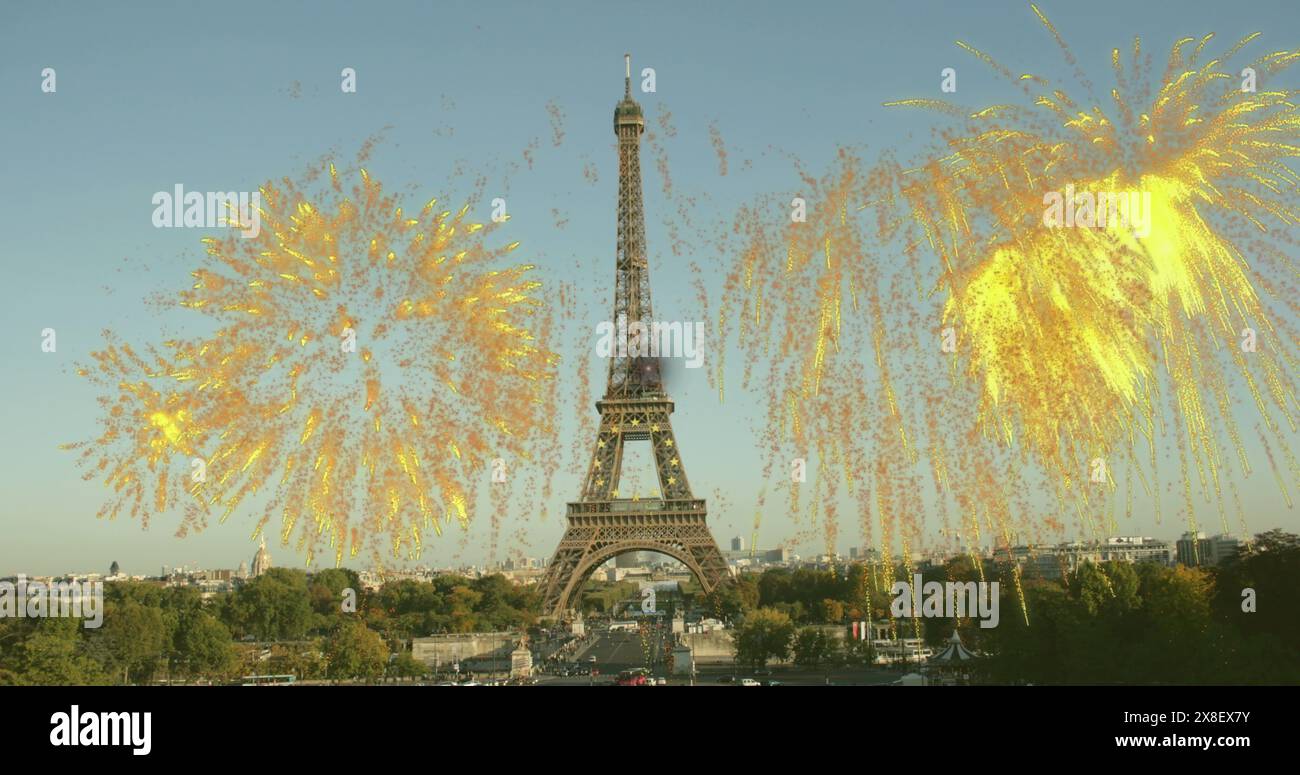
pixel 635 408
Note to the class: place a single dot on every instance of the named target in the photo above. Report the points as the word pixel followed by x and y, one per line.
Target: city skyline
pixel 849 554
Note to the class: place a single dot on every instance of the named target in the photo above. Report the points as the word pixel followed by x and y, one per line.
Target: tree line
pixel 1106 623
pixel 282 622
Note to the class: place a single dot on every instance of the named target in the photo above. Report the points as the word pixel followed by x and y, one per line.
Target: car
pixel 661 682
pixel 727 679
pixel 749 682
pixel 770 682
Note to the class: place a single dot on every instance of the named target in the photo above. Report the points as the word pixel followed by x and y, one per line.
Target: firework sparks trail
pixel 365 367
pixel 1070 345
pixel 1076 333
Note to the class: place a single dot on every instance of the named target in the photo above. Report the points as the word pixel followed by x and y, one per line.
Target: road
pixel 619 651
pixel 615 651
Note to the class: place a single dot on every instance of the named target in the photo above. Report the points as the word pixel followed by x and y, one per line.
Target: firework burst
pixel 364 366
pixel 1075 333
pixel 1069 345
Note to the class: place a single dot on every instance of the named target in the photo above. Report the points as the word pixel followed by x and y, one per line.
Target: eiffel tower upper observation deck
pixel 635 408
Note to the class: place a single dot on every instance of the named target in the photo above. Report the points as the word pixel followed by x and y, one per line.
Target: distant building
pixel 1135 549
pixel 261 560
pixel 865 554
pixel 523 563
pixel 629 560
pixel 1054 562
pixel 737 544
pixel 524 576
pixel 519 563
pixel 741 558
pixel 1195 549
pixel 113 569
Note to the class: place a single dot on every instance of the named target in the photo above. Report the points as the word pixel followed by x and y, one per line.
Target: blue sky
pixel 225 96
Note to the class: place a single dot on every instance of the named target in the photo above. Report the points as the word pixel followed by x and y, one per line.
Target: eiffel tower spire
pixel 606 523
pixel 632 371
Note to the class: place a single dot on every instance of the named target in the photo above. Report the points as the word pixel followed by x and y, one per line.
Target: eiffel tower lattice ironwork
pixel 635 408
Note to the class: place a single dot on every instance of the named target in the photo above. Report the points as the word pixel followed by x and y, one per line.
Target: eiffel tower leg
pixel 559 573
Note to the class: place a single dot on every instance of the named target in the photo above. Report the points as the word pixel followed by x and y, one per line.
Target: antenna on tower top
pixel 627 75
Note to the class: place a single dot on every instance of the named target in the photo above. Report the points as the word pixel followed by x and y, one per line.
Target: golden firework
pixel 364 365
pixel 1014 351
pixel 1075 334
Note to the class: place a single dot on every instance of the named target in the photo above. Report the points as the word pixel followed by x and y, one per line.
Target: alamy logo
pixel 657 340
pixel 90 728
pixel 34 600
pixel 948 600
pixel 1100 210
pixel 208 210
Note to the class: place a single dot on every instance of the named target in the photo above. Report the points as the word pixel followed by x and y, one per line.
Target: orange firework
pixel 1068 327
pixel 364 366
pixel 1179 196
pixel 1081 288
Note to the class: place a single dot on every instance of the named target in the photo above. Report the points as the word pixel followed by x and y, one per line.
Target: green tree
pixel 204 647
pixel 764 634
pixel 463 602
pixel 306 660
pixel 1114 623
pixel 1259 645
pixel 273 606
pixel 814 646
pixel 831 611
pixel 734 597
pixel 355 651
pixel 135 637
pixel 54 652
pixel 504 604
pixel 325 592
pixel 1174 647
pixel 407 666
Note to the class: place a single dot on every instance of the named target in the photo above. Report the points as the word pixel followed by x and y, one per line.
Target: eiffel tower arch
pixel 604 524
